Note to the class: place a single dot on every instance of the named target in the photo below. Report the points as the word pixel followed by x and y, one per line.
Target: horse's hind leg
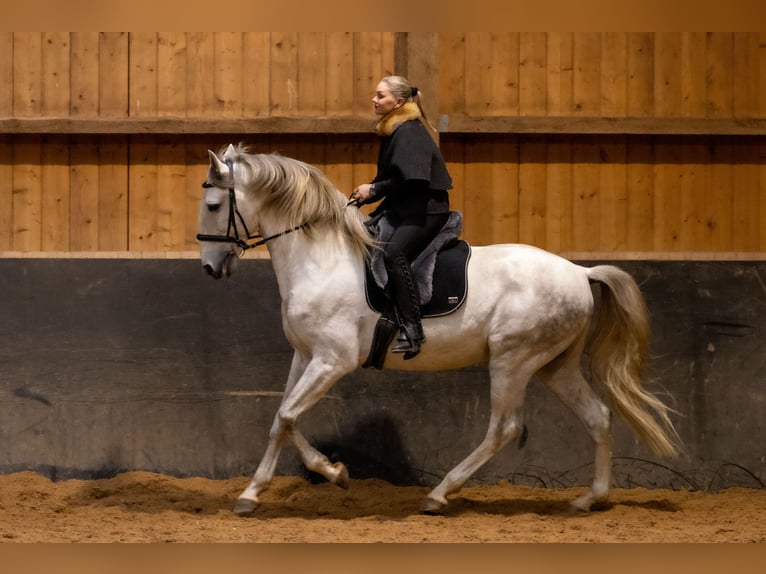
pixel 566 380
pixel 505 424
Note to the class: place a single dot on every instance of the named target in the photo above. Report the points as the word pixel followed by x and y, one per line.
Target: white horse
pixel 527 313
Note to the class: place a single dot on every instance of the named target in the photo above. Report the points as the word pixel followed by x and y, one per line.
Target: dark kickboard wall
pixel 114 365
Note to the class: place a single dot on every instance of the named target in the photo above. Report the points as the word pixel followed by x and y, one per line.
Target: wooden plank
pixel 84 195
pixel 85 74
pixel 256 79
pixel 171 74
pixel 693 71
pixel 338 163
pixel 143 74
pixel 196 171
pixel 478 74
pixel 113 76
pixel 667 74
pixel 532 205
pixel 200 74
pixel 586 86
pixel 423 70
pixel 6 74
pixel 532 73
pixel 693 208
pixel 284 73
pixel 558 200
pixel 504 190
pixel 113 194
pixel 613 202
pixel 27 72
pixel 668 175
pixel 640 194
pixel 746 196
pixel 762 75
pixel 586 211
pixel 719 75
pixel 171 196
pixel 746 75
pixel 477 214
pixel 560 80
pixel 228 73
pixel 505 74
pixel 312 74
pixel 55 74
pixel 388 51
pixel 452 79
pixel 640 74
pixel 719 195
pixel 614 74
pixel 142 194
pixel 453 150
pixel 55 181
pixel 368 71
pixel 6 194
pixel 27 194
pixel 340 73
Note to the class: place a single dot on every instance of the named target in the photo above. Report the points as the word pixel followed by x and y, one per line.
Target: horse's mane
pixel 299 193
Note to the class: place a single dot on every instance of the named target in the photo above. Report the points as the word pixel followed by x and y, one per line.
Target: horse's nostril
pixel 210 271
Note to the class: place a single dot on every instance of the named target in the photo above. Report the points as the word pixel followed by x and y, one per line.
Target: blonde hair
pixel 401 88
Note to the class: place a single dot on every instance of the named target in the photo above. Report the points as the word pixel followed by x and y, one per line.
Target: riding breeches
pixel 409 239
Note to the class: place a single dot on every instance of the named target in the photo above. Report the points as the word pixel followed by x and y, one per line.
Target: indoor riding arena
pixel 137 394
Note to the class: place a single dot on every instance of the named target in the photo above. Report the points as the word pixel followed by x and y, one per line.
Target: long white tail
pixel 618 349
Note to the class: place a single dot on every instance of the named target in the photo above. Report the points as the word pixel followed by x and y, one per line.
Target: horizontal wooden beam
pixel 175 125
pixel 600 126
pixel 350 125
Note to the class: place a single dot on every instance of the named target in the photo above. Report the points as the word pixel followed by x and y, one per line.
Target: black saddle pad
pixel 450 283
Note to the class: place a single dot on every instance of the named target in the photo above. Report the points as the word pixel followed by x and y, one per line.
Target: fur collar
pixel 388 123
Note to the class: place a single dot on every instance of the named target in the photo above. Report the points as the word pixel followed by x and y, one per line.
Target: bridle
pixel 246 242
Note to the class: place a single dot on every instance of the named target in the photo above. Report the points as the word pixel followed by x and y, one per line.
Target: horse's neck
pixel 302 264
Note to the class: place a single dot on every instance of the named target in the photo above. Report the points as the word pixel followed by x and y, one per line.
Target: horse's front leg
pixel 311 385
pixel 248 500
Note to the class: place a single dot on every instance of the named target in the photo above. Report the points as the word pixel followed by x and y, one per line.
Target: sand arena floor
pixel 147 507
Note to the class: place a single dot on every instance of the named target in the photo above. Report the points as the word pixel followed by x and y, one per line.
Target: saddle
pixel 439 273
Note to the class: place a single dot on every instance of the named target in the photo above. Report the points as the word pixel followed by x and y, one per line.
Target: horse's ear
pixel 217 165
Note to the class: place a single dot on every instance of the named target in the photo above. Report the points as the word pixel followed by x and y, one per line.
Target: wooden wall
pixel 581 143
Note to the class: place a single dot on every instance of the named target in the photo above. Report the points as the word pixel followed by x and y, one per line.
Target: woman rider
pixel 413 182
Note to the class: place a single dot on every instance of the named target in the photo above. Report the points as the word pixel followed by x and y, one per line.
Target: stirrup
pixel 410 346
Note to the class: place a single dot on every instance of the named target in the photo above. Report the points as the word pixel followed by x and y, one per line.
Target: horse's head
pixel 223 222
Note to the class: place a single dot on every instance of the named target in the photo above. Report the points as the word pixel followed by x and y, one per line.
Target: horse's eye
pixel 213 206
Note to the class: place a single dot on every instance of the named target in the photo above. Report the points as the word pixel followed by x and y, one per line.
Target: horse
pixel 528 313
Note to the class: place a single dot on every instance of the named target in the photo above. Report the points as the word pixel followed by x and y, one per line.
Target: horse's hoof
pixel 342 478
pixel 580 505
pixel 432 507
pixel 574 510
pixel 245 507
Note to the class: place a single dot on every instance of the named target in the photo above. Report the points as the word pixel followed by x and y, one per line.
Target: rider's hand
pixel 362 193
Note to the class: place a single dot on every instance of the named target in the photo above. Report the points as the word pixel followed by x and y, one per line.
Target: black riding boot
pixel 407 301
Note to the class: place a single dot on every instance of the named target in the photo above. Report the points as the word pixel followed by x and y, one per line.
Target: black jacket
pixel 412 175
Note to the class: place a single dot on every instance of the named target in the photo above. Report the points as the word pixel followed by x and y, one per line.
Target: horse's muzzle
pixel 223 270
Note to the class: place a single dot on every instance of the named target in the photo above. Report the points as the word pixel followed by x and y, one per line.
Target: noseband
pixel 245 242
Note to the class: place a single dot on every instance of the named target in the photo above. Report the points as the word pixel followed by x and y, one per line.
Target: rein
pixel 234 214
